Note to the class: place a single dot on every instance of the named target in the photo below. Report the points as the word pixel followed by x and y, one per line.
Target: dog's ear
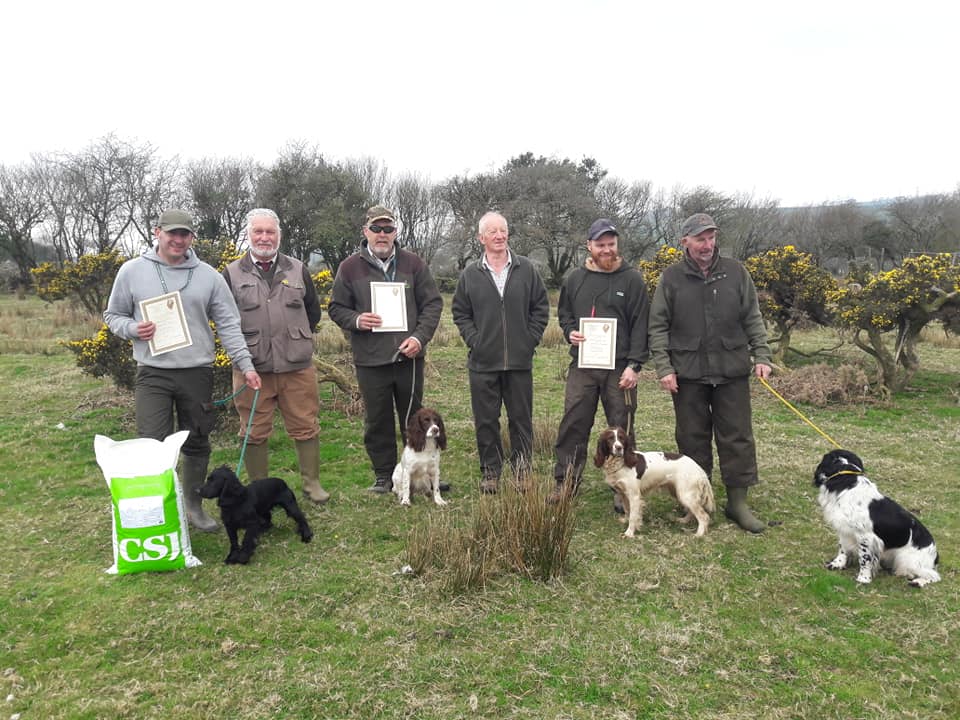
pixel 416 433
pixel 603 449
pixel 853 460
pixel 630 457
pixel 442 437
pixel 234 492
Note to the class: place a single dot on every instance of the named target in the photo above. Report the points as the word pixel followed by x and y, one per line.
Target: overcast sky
pixel 804 102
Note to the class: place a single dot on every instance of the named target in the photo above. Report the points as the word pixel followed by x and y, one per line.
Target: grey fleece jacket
pixel 205 297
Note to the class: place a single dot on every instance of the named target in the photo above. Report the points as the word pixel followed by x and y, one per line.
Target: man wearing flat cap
pixel 605 287
pixel 180 379
pixel 389 362
pixel 706 338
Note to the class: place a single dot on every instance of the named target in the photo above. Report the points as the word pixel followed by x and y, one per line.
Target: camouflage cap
pixel 176 220
pixel 379 212
pixel 601 227
pixel 696 224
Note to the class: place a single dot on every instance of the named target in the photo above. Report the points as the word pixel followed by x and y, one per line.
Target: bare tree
pixel 468 199
pixel 424 216
pixel 837 230
pixel 105 196
pixel 920 223
pixel 22 208
pixel 629 207
pixel 751 226
pixel 222 191
pixel 371 176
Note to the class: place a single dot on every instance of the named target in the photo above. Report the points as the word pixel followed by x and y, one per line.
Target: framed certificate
pixel 598 351
pixel 389 301
pixel 166 312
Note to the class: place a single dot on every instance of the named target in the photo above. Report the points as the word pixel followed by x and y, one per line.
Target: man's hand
pixel 368 321
pixel 762 371
pixel 628 379
pixel 146 329
pixel 252 378
pixel 576 337
pixel 669 382
pixel 410 347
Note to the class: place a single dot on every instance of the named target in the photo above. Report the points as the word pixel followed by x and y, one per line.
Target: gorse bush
pixel 87 281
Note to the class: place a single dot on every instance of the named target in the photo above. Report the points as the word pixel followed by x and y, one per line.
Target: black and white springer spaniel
pixel 870 526
pixel 419 466
pixel 633 474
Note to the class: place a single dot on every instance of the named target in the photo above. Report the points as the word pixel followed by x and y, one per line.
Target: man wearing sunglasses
pixel 389 363
pixel 180 379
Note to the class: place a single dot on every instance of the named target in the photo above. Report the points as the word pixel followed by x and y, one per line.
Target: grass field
pixel 665 625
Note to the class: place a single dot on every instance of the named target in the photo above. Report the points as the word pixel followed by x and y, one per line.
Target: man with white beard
pixel 279 310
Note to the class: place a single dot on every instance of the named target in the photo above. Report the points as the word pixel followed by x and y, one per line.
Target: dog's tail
pixel 706 497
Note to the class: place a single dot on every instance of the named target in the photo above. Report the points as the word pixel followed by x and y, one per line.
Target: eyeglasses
pixel 376 229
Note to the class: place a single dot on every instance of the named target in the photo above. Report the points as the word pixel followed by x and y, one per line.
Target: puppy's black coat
pixel 248 508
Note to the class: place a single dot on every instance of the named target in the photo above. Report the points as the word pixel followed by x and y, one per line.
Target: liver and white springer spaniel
pixel 419 466
pixel 633 474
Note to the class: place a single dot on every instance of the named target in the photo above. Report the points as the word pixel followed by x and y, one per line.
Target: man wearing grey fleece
pixel 180 379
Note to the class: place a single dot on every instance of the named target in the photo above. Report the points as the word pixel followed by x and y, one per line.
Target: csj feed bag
pixel 149 522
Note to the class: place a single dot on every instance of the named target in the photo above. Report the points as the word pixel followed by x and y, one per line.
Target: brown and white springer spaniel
pixel 633 474
pixel 419 466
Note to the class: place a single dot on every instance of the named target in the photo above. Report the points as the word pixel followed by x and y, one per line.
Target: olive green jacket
pixel 707 328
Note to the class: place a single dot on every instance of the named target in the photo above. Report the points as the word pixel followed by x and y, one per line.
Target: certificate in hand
pixel 389 301
pixel 166 312
pixel 599 349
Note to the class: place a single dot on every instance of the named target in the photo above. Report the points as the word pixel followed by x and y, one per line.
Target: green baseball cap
pixel 176 220
pixel 696 224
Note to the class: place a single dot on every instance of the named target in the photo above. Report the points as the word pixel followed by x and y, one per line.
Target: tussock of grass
pixel 553 337
pixel 514 531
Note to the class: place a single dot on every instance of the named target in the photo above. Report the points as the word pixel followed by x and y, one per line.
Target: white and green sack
pixel 149 522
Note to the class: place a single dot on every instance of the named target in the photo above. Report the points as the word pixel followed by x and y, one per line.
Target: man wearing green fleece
pixel 706 338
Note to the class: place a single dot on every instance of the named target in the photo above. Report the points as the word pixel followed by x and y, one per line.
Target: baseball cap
pixel 600 227
pixel 696 224
pixel 176 220
pixel 379 212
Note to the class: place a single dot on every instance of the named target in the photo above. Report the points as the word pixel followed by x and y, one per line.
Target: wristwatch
pixel 634 365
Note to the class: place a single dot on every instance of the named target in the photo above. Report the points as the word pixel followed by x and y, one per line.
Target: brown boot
pixel 256 461
pixel 308 454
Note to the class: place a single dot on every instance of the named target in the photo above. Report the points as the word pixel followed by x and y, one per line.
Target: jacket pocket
pixel 735 360
pixel 685 357
pixel 299 346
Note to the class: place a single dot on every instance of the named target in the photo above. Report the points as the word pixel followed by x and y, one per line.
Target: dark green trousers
pixel 706 412
pixel 159 393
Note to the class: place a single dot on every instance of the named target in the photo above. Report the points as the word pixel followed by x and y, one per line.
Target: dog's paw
pixel 306 536
pixel 628 532
pixel 864 578
pixel 440 501
pixel 405 502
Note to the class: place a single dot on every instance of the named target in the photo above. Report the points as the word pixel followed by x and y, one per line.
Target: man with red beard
pixel 706 338
pixel 605 287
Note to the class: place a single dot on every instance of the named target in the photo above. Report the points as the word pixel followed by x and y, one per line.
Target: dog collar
pixel 845 472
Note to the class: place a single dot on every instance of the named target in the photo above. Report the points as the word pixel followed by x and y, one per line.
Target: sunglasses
pixel 376 229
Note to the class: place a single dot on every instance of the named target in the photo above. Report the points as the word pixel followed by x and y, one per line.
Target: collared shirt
pixel 388 266
pixel 499 278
